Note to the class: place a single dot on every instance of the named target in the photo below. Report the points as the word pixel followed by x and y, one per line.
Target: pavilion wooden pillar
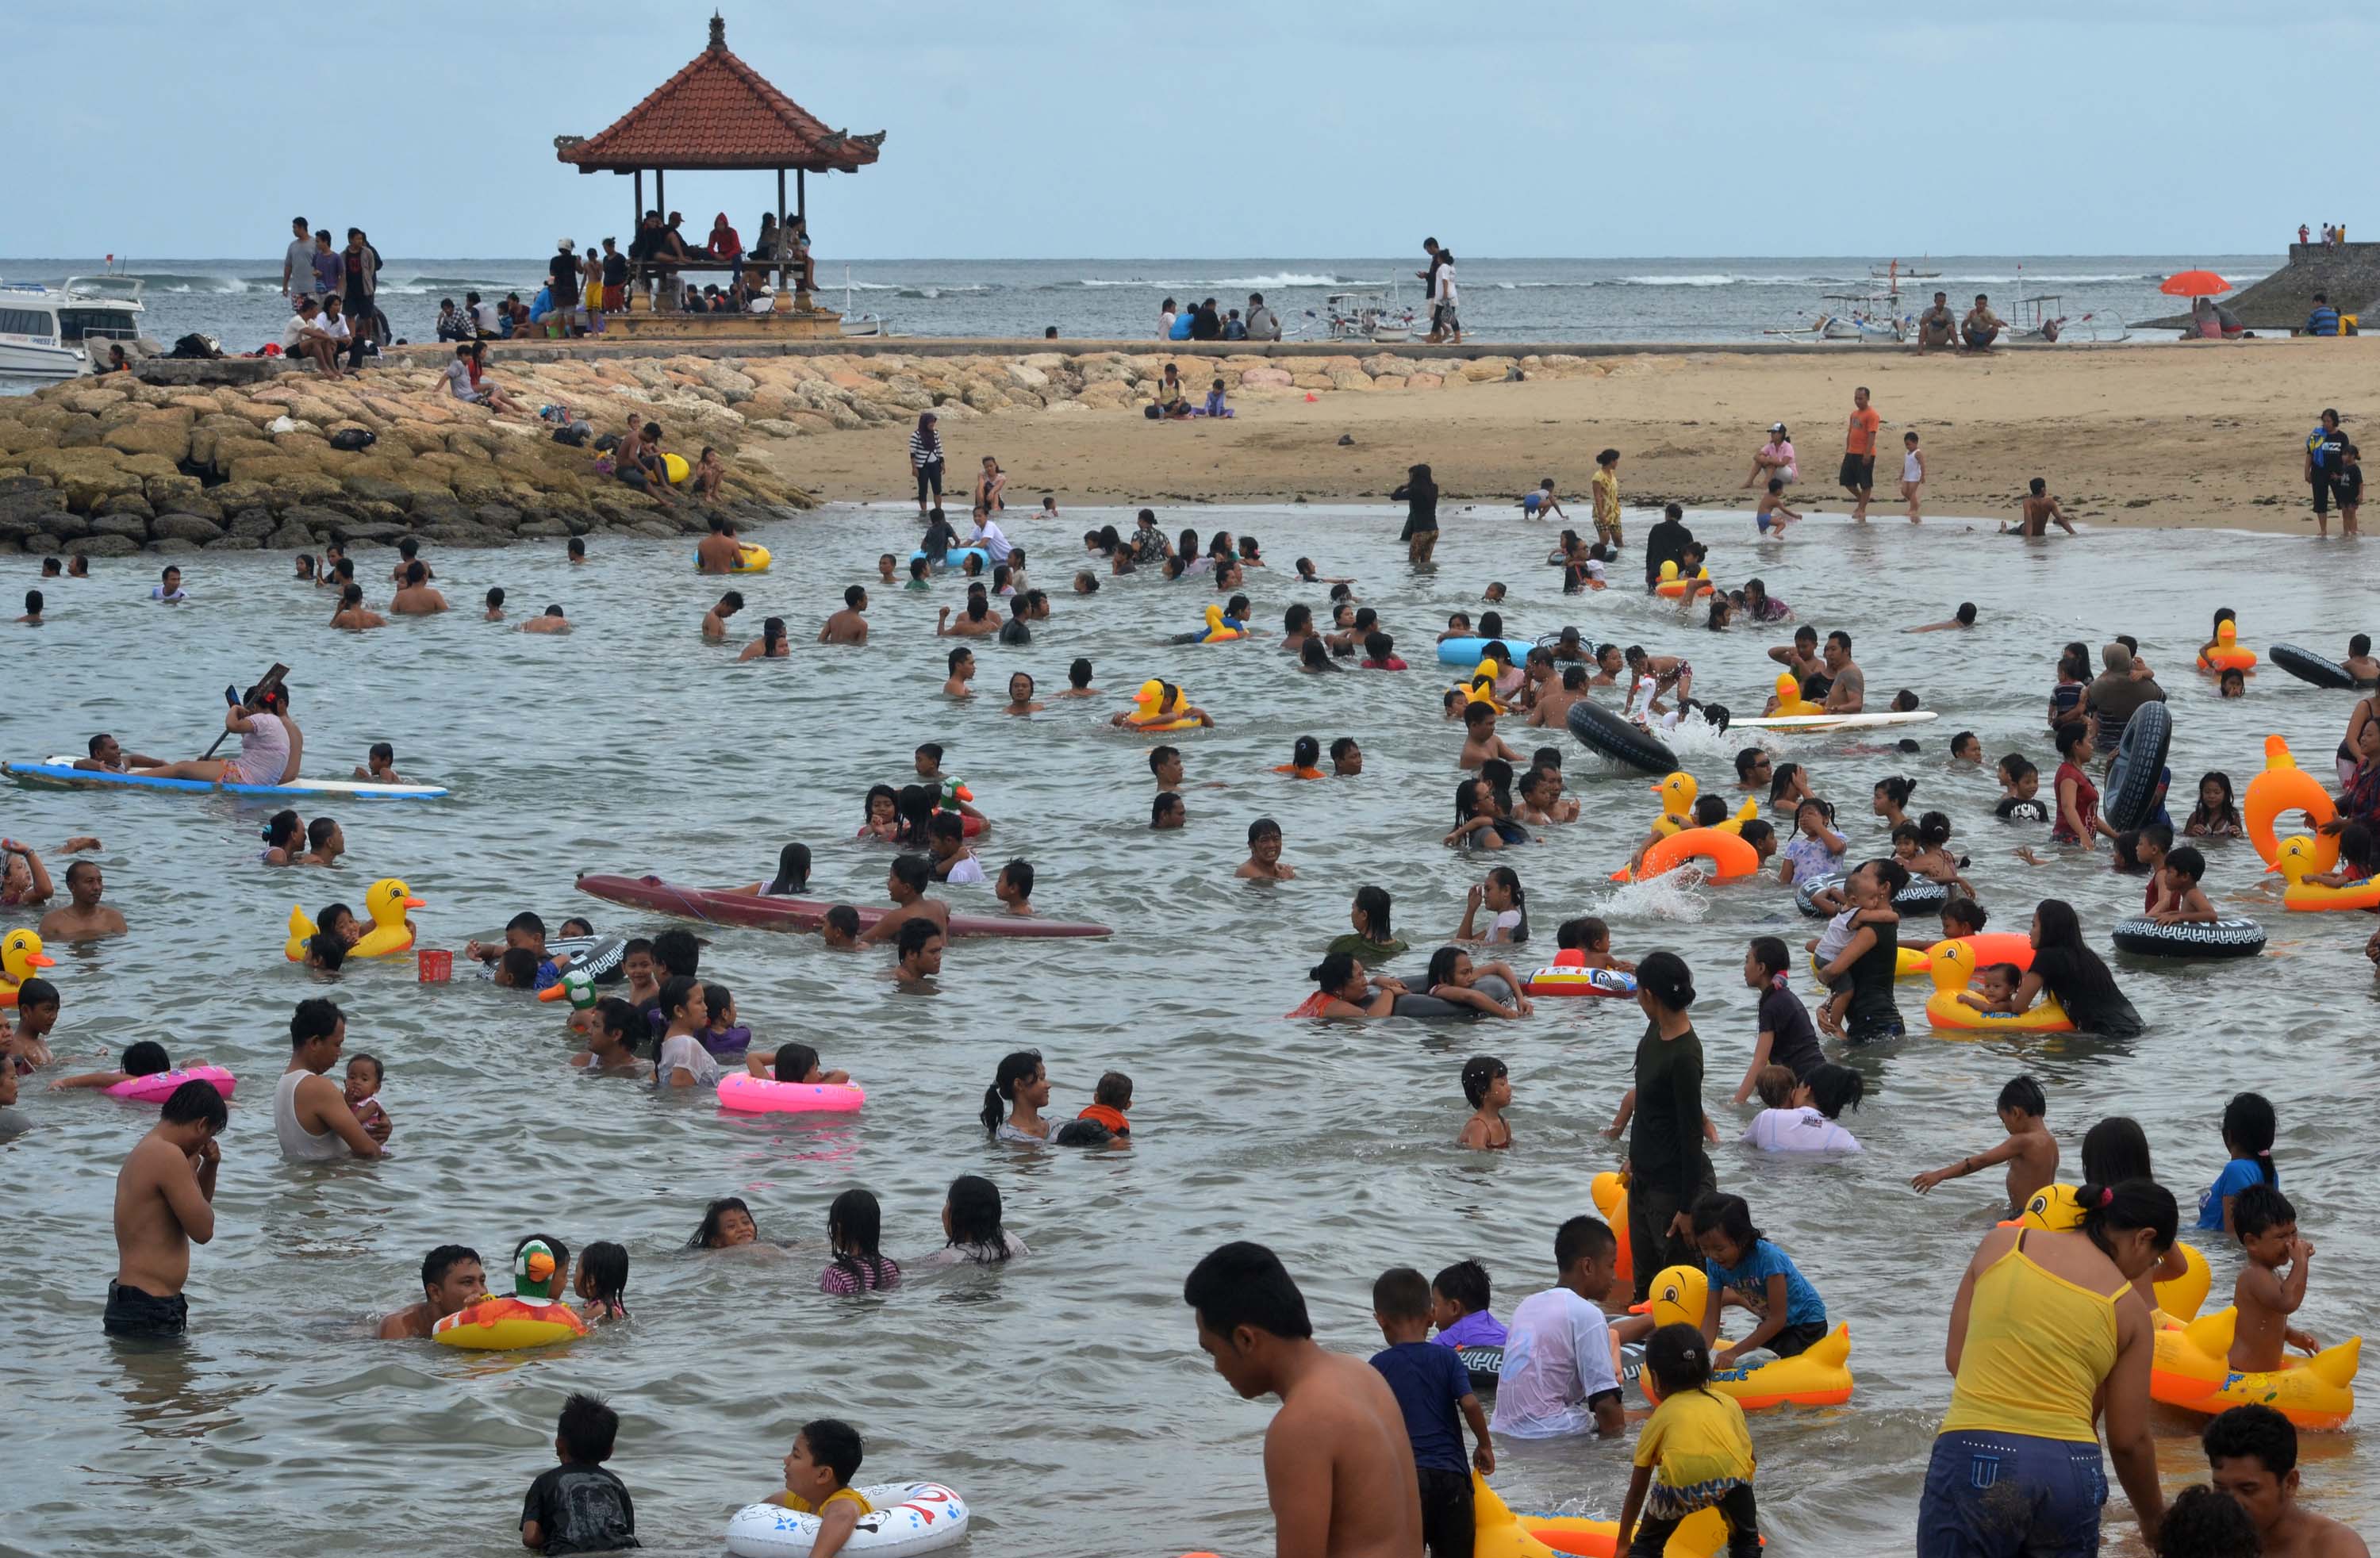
pixel 636 225
pixel 802 211
pixel 783 303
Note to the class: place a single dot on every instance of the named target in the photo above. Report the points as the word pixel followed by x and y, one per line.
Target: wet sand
pixel 2163 435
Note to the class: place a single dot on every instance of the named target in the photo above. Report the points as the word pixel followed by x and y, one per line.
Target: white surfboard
pixel 62 771
pixel 1790 722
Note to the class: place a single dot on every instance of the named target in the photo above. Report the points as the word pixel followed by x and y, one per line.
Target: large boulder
pixel 87 476
pixel 132 526
pixel 102 546
pixel 184 527
pixel 147 436
pixel 230 544
pixel 170 545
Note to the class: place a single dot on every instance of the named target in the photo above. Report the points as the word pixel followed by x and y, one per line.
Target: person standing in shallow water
pixel 1667 1168
pixel 1420 496
pixel 164 1201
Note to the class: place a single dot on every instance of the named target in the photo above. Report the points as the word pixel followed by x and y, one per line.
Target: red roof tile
pixel 718 113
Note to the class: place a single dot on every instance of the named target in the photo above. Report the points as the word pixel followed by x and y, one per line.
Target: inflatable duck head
pixel 2227 634
pixel 535 1272
pixel 1668 573
pixel 576 986
pixel 301 930
pixel 1608 1190
pixel 20 954
pixel 1952 964
pixel 1678 1297
pixel 1480 687
pixel 1215 628
pixel 1678 792
pixel 2053 1210
pixel 1153 698
pixel 1747 812
pixel 386 902
pixel 2297 859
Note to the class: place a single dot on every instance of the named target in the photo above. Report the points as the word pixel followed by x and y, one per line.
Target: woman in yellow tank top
pixel 2047 1332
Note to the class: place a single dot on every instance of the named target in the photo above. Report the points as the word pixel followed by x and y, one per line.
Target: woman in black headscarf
pixel 1420 495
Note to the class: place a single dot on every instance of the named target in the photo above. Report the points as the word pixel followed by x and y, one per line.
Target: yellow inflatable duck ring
pixel 2225 653
pixel 20 956
pixel 1480 686
pixel 1608 1190
pixel 1219 630
pixel 1952 965
pixel 2281 788
pixel 1677 793
pixel 1820 1376
pixel 1677 588
pixel 1789 698
pixel 2192 1369
pixel 1150 706
pixel 2302 857
pixel 386 902
pixel 1496 1532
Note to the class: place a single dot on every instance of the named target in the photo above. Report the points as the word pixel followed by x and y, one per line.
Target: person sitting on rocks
pixel 303 339
pixel 452 324
pixel 463 378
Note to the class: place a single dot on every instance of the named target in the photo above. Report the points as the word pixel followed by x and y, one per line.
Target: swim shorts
pixel 134 1313
pixel 1446 1519
pixel 1859 471
pixel 1989 1494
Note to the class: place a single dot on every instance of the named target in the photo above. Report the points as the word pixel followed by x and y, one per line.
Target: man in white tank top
pixel 311 1115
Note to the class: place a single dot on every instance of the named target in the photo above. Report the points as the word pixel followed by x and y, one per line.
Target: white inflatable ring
pixel 908 1517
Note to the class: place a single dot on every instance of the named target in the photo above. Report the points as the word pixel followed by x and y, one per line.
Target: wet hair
pixel 2115 1149
pixel 1244 1284
pixel 1715 1213
pixel 2251 1432
pixel 853 1226
pixel 1710 812
pixel 707 1235
pixel 605 1266
pixel 1374 903
pixel 614 1014
pixel 587 1429
pixel 1479 1073
pixel 2187 859
pixel 1966 911
pixel 677 951
pixel 844 918
pixel 975 1217
pixel 2022 1092
pixel 1748 760
pixel 1333 972
pixel 911 939
pixel 1892 873
pixel 1834 1088
pixel 1678 1357
pixel 793 870
pixel 1341 748
pixel 1016 1066
pixel 1401 1293
pixel 1896 789
pixel 1781 779
pixel 2205 1522
pixel 144 1057
pixel 519 967
pixel 1584 934
pixel 313 1019
pixel 2131 1204
pixel 1156 756
pixel 1315 655
pixel 1305 752
pixel 1665 976
pixel 678 993
pixel 285 830
pixel 1582 1238
pixel 1166 800
pixel 1263 827
pixel 2359 645
pixel 194 1103
pixel 1442 961
pixel 1756 832
pixel 1298 618
pixel 2249 1126
pixel 444 1259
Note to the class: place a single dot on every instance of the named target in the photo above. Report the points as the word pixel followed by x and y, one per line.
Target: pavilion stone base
pixel 801 325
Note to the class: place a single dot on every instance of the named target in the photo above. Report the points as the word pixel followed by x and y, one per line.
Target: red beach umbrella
pixel 2194 284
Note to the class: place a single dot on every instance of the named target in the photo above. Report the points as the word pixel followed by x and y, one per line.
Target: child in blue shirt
pixel 1791 1316
pixel 1431 1386
pixel 2248 1129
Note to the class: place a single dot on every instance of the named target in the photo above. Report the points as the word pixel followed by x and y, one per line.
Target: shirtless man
pixel 1849 693
pixel 962 665
pixel 1480 741
pixel 920 948
pixel 847 626
pixel 270 745
pixel 164 1199
pixel 1552 708
pixel 106 757
pixel 85 918
pixel 353 614
pixel 2252 1454
pixel 1339 1468
pixel 905 885
pixel 717 551
pixel 407 551
pixel 551 622
pixel 309 1111
pixel 417 598
pixel 451 1280
pixel 714 621
pixel 2034 516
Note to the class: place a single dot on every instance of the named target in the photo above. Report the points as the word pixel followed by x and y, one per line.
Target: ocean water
pixel 1716 299
pixel 1065 1395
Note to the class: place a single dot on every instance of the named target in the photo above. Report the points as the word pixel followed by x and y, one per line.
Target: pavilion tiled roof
pixel 718 113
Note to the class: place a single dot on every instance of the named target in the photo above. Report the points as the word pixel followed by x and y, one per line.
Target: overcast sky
pixel 196 129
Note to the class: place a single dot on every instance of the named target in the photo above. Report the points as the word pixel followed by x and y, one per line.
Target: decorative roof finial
pixel 718 30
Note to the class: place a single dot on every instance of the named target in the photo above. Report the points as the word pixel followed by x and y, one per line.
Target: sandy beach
pixel 2165 436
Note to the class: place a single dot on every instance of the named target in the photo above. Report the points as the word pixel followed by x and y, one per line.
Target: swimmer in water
pixel 451 1281
pixel 771 643
pixel 1453 976
pixel 1480 741
pixel 1171 706
pixel 1020 696
pixel 1488 1087
pixel 551 622
pixel 905 883
pixel 1014 888
pixel 1264 862
pixel 962 669
pixel 919 950
pixel 353 614
pixel 1964 618
pixel 1167 812
pixel 2030 1151
pixel 714 621
pixel 1347 994
pixel 381 768
pixel 2037 512
pixel 1346 757
pixel 848 625
pixel 495 612
pixel 1078 680
pixel 414 597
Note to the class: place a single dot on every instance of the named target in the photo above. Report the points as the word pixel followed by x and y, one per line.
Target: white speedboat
pixel 45 331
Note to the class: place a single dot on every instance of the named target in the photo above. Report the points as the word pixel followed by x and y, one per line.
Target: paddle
pixel 267 683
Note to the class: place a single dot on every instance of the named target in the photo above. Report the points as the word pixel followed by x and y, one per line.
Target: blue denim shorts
pixel 2007 1495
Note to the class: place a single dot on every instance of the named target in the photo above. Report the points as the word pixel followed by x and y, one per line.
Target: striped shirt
pixel 924 448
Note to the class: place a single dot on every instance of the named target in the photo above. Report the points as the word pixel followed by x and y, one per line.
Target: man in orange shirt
pixel 1858 476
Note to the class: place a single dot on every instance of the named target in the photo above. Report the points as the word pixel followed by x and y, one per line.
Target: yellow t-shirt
pixel 1606 487
pixel 1698 1446
pixel 800 1506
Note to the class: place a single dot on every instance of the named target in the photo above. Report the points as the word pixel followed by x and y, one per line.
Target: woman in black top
pixel 1667 1168
pixel 1786 1036
pixel 1420 496
pixel 1870 958
pixel 2063 966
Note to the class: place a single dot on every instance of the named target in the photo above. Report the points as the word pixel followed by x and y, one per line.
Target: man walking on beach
pixel 1429 276
pixel 165 1200
pixel 1858 475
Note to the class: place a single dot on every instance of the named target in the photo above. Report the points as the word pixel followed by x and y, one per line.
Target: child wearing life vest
pixel 1108 1102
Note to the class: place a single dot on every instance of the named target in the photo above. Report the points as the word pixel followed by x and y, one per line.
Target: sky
pixel 1104 128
